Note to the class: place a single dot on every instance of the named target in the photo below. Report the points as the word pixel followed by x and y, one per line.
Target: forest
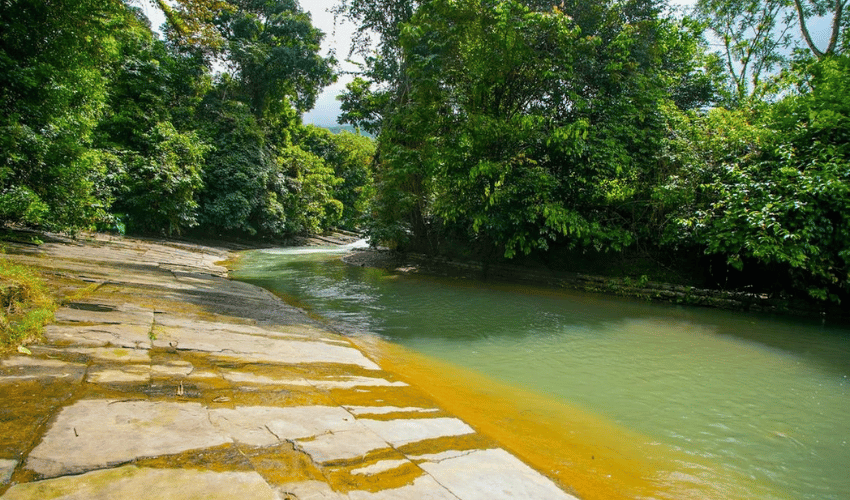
pixel 711 141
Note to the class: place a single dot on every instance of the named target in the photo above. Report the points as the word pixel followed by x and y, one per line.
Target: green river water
pixel 751 406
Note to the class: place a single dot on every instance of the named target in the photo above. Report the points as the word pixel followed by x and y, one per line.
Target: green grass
pixel 25 304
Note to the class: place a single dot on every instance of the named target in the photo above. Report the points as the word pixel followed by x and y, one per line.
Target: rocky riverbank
pixel 161 378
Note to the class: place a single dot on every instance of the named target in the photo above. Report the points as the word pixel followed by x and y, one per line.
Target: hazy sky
pixel 337 38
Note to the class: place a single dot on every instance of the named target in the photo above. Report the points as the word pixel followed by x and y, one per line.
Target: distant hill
pixel 335 129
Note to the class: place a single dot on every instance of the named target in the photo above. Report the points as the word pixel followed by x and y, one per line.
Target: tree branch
pixel 836 26
pixel 172 18
pixel 805 29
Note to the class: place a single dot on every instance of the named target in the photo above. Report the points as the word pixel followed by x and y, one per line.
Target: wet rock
pixel 172 369
pixel 341 382
pixel 7 468
pixel 264 426
pixel 142 483
pixel 103 313
pixel 131 336
pixel 357 441
pixel 309 490
pixel 382 410
pixel 381 466
pixel 113 354
pixel 17 368
pixel 133 374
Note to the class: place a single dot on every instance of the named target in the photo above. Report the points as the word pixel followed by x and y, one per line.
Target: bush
pixel 25 306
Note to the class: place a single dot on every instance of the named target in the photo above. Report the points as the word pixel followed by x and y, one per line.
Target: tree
pixel 768 191
pixel 54 60
pixel 384 65
pixel 192 22
pixel 154 168
pixel 351 157
pixel 517 130
pixel 156 186
pixel 806 10
pixel 273 52
pixel 756 37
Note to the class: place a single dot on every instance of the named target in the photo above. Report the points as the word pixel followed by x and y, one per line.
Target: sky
pixel 338 39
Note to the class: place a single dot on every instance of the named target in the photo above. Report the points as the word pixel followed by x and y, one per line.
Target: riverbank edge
pixel 641 289
pixel 224 255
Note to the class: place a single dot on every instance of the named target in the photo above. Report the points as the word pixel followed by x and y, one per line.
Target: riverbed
pixel 609 396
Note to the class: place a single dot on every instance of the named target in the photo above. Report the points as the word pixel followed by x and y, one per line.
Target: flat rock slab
pixel 132 336
pixel 172 369
pixel 113 354
pixel 7 468
pixel 123 314
pixel 169 321
pixel 93 434
pixel 493 473
pixel 264 426
pixel 341 382
pixel 259 348
pixel 141 483
pixel 422 488
pixel 16 368
pixel 404 431
pixel 126 374
pixel 357 441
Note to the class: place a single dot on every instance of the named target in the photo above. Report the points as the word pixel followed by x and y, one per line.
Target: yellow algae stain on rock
pixel 222 458
pixel 282 464
pixel 142 483
pixel 582 452
pixel 379 470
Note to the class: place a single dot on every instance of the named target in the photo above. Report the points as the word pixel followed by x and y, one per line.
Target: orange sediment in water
pixel 585 454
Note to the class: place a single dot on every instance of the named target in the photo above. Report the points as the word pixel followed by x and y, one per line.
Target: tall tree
pixel 257 181
pixel 273 51
pixel 838 27
pixel 756 35
pixel 517 129
pixel 383 83
pixel 54 62
pixel 192 22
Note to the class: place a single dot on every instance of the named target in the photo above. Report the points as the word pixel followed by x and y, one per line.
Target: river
pixel 611 397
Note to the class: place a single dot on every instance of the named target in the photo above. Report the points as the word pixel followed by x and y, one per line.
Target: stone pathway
pixel 164 379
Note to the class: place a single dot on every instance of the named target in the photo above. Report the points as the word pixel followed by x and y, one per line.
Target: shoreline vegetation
pixel 637 288
pixel 29 296
pixel 606 138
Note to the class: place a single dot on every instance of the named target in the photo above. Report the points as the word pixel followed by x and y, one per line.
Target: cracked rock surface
pixel 161 378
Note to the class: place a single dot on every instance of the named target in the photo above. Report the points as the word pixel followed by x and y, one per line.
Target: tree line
pixel 716 138
pixel 713 141
pixel 105 125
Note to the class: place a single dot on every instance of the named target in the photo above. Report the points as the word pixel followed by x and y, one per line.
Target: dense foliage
pixel 505 128
pixel 106 125
pixel 511 127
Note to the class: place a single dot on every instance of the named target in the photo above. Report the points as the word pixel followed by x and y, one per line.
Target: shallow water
pixel 699 403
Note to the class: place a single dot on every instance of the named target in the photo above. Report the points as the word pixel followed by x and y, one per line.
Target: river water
pixel 611 397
